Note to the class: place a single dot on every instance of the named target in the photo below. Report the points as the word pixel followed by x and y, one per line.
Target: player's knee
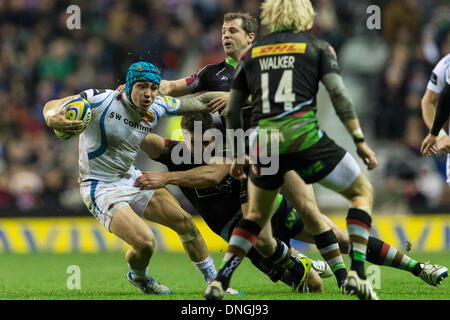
pixel 367 189
pixel 183 223
pixel 360 193
pixel 145 247
pixel 187 230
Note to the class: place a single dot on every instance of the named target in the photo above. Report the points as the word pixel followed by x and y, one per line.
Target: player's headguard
pixel 141 71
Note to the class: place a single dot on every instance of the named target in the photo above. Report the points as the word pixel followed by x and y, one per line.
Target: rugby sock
pixel 381 253
pixel 139 275
pixel 358 228
pixel 283 257
pixel 241 241
pixel 328 246
pixel 207 269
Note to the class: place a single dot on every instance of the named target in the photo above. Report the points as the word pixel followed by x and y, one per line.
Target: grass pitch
pixel 102 277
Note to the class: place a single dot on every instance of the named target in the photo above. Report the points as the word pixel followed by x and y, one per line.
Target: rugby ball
pixel 75 109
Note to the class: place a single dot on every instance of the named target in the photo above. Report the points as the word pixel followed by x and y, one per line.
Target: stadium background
pixel 385 70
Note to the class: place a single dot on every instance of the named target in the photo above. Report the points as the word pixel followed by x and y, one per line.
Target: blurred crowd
pixel 42 59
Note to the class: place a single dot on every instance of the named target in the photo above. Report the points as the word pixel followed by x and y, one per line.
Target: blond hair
pixel 296 15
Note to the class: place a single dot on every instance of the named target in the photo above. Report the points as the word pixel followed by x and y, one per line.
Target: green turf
pixel 43 276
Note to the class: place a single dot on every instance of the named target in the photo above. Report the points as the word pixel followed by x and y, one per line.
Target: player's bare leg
pixel 128 226
pixel 164 209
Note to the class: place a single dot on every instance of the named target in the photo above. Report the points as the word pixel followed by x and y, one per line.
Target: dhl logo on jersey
pixel 279 48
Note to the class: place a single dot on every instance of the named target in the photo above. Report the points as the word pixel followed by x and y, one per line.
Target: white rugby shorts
pixel 104 198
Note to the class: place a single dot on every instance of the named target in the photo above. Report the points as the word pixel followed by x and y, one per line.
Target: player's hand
pixel 443 145
pixel 121 88
pixel 59 122
pixel 218 104
pixel 367 155
pixel 428 145
pixel 150 180
pixel 237 169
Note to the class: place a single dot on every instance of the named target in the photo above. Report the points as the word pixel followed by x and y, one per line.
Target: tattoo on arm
pixel 197 103
pixel 192 104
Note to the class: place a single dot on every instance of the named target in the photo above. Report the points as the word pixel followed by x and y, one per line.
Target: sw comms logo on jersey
pixel 279 48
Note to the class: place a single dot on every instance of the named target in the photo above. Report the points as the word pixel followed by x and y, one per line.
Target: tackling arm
pixel 200 177
pixel 205 176
pixel 197 103
pixel 175 88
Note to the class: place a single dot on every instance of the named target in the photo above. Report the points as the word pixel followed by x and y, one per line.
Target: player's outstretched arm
pixel 198 103
pixel 200 177
pixel 55 118
pixel 206 176
pixel 174 88
pixel 346 112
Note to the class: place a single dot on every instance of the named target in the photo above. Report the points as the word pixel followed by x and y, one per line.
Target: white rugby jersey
pixel 109 145
pixel 440 73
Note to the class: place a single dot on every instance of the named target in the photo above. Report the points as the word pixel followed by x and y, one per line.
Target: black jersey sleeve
pixel 196 82
pixel 328 59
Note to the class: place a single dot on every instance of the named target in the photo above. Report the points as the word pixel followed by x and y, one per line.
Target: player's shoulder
pixel 166 99
pixel 212 68
pixel 445 59
pixel 317 42
pixel 96 97
pixel 443 64
pixel 196 81
pixel 166 104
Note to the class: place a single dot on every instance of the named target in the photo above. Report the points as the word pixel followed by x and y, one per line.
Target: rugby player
pixel 218 198
pixel 238 33
pixel 282 72
pixel 119 127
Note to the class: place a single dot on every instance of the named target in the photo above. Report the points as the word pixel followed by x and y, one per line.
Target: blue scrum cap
pixel 141 71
